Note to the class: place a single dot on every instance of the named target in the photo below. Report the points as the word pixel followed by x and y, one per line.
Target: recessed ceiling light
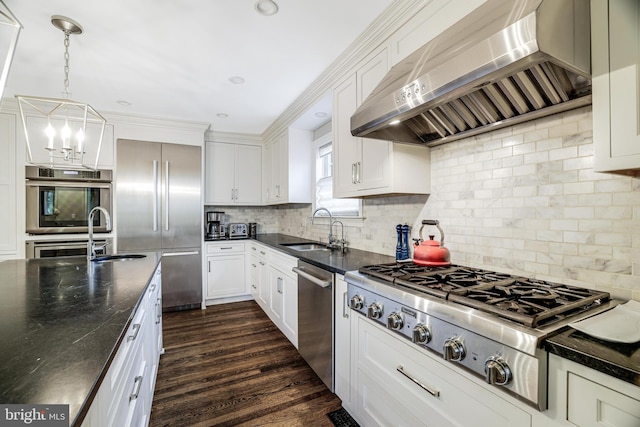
pixel 222 115
pixel 124 103
pixel 236 80
pixel 266 7
pixel 321 114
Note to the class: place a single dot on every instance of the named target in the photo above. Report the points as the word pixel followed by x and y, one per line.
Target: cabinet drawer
pixel 282 262
pixel 398 368
pixel 129 398
pixel 258 250
pixel 128 348
pixel 225 248
pixel 591 404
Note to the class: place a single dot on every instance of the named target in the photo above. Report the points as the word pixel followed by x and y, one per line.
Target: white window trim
pixel 349 221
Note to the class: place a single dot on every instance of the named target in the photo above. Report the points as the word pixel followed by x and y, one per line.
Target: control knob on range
pixel 394 321
pixel 374 311
pixel 453 349
pixel 356 302
pixel 497 371
pixel 421 334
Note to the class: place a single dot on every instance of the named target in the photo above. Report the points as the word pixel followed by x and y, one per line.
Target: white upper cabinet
pixel 288 170
pixel 615 53
pixel 233 174
pixel 365 166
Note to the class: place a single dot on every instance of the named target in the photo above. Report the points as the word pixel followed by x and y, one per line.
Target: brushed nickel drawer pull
pixel 432 392
pixel 137 383
pixel 136 329
pixel 345 304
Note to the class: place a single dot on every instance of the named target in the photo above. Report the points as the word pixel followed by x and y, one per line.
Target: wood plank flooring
pixel 229 365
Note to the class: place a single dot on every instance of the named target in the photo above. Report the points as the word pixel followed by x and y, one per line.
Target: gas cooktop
pixel 529 302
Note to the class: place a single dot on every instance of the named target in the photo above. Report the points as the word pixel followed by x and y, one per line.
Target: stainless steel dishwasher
pixel 315 319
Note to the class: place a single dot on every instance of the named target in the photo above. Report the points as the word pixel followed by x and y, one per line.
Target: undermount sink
pixel 306 246
pixel 118 257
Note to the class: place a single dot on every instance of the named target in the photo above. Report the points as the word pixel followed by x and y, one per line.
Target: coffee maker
pixel 215 229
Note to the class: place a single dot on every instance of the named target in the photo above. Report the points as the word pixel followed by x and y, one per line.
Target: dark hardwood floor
pixel 229 365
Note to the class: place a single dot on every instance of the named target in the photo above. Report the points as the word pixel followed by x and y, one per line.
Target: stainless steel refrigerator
pixel 158 207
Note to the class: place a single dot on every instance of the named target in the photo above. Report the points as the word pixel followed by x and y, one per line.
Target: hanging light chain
pixel 66 64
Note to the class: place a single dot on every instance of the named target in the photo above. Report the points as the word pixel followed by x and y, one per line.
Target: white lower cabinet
pixel 225 271
pixel 283 307
pixel 342 347
pixel 382 395
pixel 126 393
pixel 259 274
pixel 274 286
pixel 588 398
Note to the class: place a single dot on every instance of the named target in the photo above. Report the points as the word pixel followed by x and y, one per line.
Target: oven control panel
pixel 492 361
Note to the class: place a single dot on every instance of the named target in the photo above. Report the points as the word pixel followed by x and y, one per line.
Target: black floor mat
pixel 341 418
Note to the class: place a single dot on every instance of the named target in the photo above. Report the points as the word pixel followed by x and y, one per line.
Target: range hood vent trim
pixel 532 59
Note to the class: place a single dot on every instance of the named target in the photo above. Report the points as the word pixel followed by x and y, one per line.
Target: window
pixel 324 182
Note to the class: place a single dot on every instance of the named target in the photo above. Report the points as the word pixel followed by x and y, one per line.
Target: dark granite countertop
pixel 328 260
pixel 621 361
pixel 61 320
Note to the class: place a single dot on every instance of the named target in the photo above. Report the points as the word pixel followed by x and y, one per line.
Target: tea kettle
pixel 431 252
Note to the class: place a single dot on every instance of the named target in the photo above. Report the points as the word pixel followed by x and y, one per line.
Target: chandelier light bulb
pixel 65 134
pixel 51 133
pixel 80 139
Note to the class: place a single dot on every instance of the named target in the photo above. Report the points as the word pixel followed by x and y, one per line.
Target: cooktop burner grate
pixel 529 302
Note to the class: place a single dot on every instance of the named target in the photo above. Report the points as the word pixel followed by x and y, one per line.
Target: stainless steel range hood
pixel 506 62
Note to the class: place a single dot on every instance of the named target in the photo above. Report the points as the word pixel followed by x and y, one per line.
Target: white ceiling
pixel 173 59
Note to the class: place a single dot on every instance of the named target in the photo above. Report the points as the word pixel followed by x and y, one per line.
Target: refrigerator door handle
pixel 166 195
pixel 155 195
pixel 180 253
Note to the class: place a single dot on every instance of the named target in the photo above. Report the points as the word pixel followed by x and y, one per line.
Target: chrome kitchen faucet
pixel 313 215
pixel 91 246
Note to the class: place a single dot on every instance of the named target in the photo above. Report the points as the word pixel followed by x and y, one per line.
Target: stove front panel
pixel 528 373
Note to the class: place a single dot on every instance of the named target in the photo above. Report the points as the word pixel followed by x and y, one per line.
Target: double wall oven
pixel 58 202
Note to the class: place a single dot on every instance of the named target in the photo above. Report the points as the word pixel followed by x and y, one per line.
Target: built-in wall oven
pixel 59 201
pixel 62 248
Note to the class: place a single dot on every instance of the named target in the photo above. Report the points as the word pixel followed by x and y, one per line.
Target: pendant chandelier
pixel 65 128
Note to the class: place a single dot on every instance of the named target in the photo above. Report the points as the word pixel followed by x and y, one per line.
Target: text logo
pixel 34 415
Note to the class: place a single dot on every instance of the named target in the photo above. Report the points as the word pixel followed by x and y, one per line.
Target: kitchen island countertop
pixel 353 259
pixel 619 360
pixel 61 320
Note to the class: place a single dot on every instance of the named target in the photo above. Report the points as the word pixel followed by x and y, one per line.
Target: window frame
pixel 350 220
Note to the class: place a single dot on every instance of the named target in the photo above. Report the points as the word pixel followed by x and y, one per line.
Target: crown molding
pixel 237 138
pixel 377 33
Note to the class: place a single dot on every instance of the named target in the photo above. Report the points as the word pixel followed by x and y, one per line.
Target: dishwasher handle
pixel 311 278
